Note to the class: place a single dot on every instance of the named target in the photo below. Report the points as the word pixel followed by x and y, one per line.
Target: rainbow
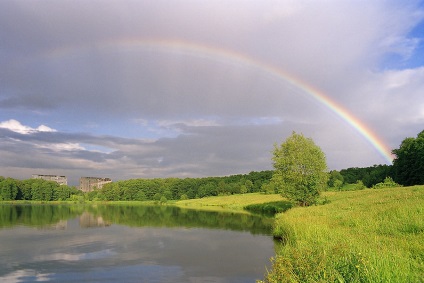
pixel 231 57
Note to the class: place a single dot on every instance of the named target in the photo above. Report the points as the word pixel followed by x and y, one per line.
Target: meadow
pixel 356 236
pixel 230 202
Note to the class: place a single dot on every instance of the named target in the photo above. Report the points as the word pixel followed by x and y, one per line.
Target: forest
pixel 164 189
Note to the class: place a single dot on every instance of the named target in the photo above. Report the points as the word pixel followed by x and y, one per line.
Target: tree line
pixel 136 189
pixel 164 189
pixel 36 189
pixel 407 168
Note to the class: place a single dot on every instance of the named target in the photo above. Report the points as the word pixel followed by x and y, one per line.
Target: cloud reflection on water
pixel 134 254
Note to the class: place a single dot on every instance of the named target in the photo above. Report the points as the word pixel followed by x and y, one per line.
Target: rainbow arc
pixel 228 56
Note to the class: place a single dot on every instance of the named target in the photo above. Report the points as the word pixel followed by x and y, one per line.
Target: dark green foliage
pixel 136 189
pixel 359 185
pixel 408 166
pixel 36 215
pixel 171 216
pixel 368 175
pixel 334 178
pixel 8 189
pixel 176 189
pixel 388 183
pixel 34 189
pixel 269 208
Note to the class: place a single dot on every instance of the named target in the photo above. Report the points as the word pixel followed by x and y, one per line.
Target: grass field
pixel 232 202
pixel 358 236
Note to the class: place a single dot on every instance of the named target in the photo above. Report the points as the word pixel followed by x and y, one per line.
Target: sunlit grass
pixel 234 202
pixel 359 236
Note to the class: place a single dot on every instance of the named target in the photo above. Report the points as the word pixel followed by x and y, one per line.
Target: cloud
pixel 17 127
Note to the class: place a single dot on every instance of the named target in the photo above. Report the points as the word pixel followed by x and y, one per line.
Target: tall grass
pixel 359 236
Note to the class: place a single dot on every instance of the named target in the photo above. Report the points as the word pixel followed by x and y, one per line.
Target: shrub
pixel 387 183
pixel 359 185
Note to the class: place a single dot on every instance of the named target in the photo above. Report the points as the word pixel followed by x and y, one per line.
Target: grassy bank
pixel 359 236
pixel 232 202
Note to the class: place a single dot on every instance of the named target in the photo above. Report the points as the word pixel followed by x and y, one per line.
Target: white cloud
pixel 61 146
pixel 17 127
pixel 44 128
pixel 19 275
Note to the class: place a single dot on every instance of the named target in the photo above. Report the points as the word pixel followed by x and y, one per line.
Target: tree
pixel 249 185
pixel 333 177
pixel 8 189
pixel 408 166
pixel 300 169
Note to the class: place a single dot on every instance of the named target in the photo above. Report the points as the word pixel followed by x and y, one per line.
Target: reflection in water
pixel 61 225
pixel 87 220
pixel 140 244
pixel 56 216
pixel 42 216
pixel 171 216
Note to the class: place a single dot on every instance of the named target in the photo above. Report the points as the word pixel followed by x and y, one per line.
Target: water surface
pixel 131 244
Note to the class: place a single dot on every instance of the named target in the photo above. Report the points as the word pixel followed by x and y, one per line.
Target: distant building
pixel 87 220
pixel 61 180
pixel 88 184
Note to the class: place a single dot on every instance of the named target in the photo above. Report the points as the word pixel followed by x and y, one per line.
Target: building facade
pixel 88 184
pixel 61 180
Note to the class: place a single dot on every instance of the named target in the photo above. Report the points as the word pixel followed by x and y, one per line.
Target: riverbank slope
pixel 371 235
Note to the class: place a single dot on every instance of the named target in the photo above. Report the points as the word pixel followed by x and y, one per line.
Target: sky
pixel 152 89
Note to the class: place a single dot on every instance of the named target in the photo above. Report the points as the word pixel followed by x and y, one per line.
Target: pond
pixel 118 243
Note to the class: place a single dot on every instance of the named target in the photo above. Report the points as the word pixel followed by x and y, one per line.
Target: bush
pixel 387 183
pixel 359 185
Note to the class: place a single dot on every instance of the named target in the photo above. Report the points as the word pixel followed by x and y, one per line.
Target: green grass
pixel 358 236
pixel 232 202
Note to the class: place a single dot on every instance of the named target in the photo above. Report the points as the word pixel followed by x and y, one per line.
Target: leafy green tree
pixel 268 188
pixel 408 166
pixel 26 193
pixel 167 194
pixel 249 185
pixel 338 184
pixel 163 200
pixel 300 169
pixel 243 189
pixel 335 176
pixel 48 189
pixel 157 197
pixel 359 185
pixel 8 189
pixel 208 189
pixel 36 189
pixel 140 196
pixel 387 183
